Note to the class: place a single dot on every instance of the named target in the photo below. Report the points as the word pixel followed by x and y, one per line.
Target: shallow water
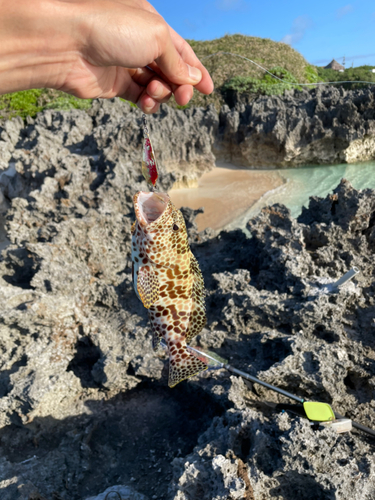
pixel 232 195
pixel 301 183
pixel 226 193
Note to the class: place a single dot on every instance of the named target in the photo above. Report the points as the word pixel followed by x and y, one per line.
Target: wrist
pixel 37 43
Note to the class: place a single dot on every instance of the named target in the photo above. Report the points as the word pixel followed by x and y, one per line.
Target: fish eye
pixel 175 227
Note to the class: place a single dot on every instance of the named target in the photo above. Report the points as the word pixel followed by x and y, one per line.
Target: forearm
pixel 37 43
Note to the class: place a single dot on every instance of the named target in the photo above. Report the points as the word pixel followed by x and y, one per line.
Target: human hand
pixel 97 48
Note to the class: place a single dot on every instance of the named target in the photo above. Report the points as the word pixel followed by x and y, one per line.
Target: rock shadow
pixel 302 486
pixel 254 353
pixel 24 265
pixel 359 386
pixel 5 384
pixel 326 334
pixel 131 438
pixel 87 354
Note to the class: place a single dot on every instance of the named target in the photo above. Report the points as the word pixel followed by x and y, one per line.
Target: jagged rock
pixel 326 125
pixel 116 492
pixel 284 459
pixel 84 401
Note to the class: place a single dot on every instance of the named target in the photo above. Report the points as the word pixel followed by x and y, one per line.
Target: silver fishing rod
pixel 244 375
pixel 219 364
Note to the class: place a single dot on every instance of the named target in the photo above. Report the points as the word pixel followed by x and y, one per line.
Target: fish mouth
pixel 149 206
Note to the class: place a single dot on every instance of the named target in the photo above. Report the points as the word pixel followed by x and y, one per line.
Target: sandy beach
pixel 226 192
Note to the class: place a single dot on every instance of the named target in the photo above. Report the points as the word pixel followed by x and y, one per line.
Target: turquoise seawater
pixel 301 183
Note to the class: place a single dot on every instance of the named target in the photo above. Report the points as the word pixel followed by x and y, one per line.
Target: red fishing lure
pixel 149 168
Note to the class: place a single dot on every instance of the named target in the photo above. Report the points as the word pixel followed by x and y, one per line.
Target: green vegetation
pixel 267 53
pixel 267 85
pixel 30 102
pixel 229 73
pixel 131 104
pixel 311 74
pixel 226 71
pixel 360 73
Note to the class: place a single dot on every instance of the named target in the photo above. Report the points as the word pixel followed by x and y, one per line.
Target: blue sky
pixel 319 30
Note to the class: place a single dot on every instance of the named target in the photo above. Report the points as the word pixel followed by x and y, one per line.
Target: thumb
pixel 172 65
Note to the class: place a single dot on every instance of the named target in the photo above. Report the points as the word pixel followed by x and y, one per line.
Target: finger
pixel 147 104
pixel 205 86
pixel 208 85
pixel 159 90
pixel 187 54
pixel 171 63
pixel 183 94
pixel 156 88
pixel 129 90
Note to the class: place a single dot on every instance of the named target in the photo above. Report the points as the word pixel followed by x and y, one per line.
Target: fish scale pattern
pixel 167 278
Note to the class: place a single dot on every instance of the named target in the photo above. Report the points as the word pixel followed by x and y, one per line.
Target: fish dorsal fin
pixel 147 286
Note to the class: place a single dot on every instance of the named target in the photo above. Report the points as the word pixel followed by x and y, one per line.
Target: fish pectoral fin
pixel 184 368
pixel 147 286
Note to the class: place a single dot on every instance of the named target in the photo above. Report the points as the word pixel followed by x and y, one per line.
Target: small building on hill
pixel 334 65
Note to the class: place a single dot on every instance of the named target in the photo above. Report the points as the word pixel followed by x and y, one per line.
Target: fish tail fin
pixel 182 366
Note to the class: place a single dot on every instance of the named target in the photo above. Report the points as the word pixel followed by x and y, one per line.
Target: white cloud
pixel 231 5
pixel 299 27
pixel 343 11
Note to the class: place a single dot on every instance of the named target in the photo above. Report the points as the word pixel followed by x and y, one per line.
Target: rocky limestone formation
pixel 84 404
pixel 323 126
pixel 109 133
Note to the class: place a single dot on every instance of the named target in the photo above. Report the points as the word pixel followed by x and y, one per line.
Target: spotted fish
pixel 167 279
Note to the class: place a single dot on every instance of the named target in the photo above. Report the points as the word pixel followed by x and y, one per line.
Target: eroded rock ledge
pixel 327 125
pixel 323 126
pixel 84 402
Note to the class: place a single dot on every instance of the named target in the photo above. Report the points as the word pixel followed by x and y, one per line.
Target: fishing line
pixel 280 79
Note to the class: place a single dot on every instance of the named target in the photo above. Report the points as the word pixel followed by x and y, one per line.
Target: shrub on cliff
pixel 265 52
pixel 30 102
pixel 268 85
pixel 361 73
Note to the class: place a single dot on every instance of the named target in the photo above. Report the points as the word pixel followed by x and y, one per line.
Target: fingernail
pixel 148 104
pixel 158 92
pixel 145 109
pixel 194 73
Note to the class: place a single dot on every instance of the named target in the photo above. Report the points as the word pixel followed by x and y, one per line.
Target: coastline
pixel 215 193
